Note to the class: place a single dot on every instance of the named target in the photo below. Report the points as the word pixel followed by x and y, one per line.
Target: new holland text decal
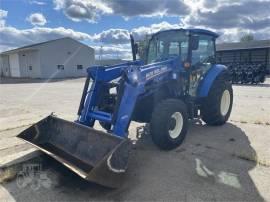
pixel 156 72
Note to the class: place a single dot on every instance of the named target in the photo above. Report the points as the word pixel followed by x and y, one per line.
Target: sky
pixel 108 23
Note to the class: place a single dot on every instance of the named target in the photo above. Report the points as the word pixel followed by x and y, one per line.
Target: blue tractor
pixel 177 81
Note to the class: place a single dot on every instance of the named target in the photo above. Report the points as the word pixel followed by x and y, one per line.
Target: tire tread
pixel 210 109
pixel 158 127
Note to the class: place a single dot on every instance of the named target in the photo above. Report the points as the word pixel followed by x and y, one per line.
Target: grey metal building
pixel 58 58
pixel 245 52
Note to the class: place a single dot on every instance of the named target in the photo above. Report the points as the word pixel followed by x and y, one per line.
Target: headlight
pixel 134 78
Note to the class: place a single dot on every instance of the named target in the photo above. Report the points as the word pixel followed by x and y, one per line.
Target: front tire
pixel 216 108
pixel 169 124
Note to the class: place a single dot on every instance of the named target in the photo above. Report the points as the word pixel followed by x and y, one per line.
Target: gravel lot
pixel 227 163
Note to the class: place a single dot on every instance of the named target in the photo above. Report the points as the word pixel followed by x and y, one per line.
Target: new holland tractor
pixel 176 82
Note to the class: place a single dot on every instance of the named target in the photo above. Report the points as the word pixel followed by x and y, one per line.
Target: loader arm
pixel 134 78
pixel 97 74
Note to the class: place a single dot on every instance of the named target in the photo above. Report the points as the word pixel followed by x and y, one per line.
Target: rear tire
pixel 169 124
pixel 216 108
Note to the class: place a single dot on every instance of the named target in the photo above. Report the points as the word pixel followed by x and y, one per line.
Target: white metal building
pixel 58 58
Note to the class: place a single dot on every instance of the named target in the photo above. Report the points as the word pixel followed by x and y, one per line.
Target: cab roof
pixel 196 31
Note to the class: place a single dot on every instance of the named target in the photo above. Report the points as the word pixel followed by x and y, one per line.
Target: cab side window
pixel 179 48
pixel 174 48
pixel 184 50
pixel 152 52
pixel 160 49
pixel 205 52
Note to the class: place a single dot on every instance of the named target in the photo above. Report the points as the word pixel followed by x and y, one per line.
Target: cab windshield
pixel 168 44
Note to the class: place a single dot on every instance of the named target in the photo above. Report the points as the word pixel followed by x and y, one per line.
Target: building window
pixel 60 67
pixel 30 67
pixel 79 67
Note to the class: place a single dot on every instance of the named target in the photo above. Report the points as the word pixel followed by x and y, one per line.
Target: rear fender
pixel 209 78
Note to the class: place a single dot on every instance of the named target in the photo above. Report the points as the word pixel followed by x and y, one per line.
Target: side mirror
pixel 194 42
pixel 136 48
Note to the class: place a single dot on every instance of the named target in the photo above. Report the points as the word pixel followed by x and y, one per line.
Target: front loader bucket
pixel 94 155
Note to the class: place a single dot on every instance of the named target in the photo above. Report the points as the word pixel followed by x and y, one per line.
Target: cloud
pixel 113 52
pixel 115 41
pixel 140 32
pixel 122 36
pixel 148 8
pixel 40 3
pixel 3 15
pixel 231 19
pixel 12 37
pixel 113 36
pixel 235 34
pixel 78 10
pixel 91 10
pixel 240 14
pixel 37 19
pixel 222 16
pixel 210 3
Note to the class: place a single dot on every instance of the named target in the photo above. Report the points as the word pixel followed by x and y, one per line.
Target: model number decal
pixel 156 72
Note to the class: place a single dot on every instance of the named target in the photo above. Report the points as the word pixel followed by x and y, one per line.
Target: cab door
pixel 201 61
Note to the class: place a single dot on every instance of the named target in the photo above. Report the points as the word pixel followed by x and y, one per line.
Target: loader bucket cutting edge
pixel 93 155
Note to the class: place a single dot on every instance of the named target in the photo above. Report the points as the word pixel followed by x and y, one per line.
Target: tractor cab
pixel 165 45
pixel 193 45
pixel 194 48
